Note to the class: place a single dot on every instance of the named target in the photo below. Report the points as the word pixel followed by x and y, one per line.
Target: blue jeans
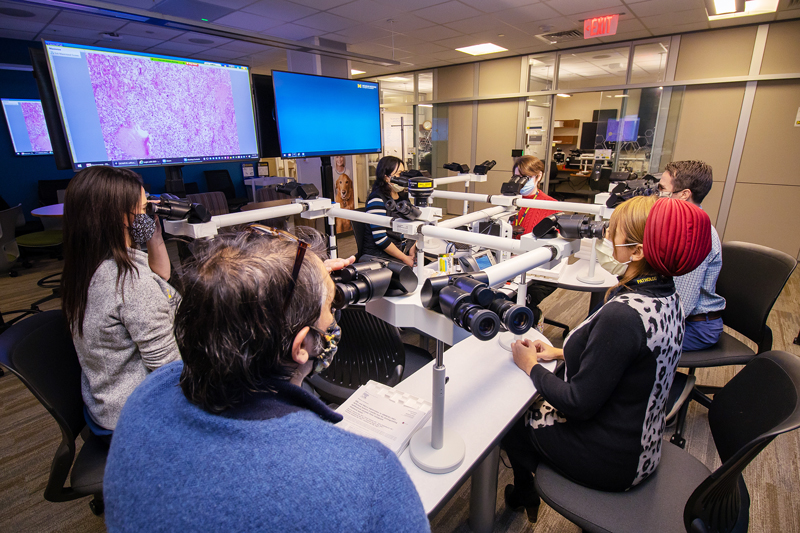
pixel 701 335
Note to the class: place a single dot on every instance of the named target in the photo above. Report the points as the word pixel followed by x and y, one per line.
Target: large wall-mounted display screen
pixel 27 127
pixel 130 109
pixel 626 129
pixel 320 116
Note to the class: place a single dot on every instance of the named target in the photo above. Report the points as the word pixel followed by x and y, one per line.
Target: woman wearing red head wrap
pixel 602 424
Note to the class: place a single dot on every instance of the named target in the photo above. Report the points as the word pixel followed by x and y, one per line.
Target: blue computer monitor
pixel 322 116
pixel 625 129
pixel 26 125
pixel 132 109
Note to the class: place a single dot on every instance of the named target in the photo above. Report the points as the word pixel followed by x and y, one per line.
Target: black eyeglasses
pixel 259 229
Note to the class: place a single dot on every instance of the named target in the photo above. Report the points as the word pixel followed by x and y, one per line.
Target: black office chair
pixel 358 234
pixel 758 404
pixel 220 180
pixel 751 279
pixel 39 351
pixel 370 349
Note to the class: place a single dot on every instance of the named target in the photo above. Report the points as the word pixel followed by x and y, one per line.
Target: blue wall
pixel 19 175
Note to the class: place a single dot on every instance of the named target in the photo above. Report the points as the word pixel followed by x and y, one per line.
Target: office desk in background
pixel 51 216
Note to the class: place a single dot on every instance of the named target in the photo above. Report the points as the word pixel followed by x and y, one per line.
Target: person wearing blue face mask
pixel 115 297
pixel 533 168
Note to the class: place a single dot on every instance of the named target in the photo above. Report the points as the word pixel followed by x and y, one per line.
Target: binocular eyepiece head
pixel 172 209
pixel 457 305
pixel 517 319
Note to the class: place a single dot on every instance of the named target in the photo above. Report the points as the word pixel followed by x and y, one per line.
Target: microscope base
pixel 441 461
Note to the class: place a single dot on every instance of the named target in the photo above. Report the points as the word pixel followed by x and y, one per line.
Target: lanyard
pixel 524 211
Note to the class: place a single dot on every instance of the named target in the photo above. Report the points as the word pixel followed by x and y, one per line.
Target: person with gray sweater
pixel 117 301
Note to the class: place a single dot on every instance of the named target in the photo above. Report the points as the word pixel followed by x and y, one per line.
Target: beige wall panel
pixel 494 180
pixel 459 145
pixel 715 54
pixel 713 200
pixel 766 215
pixel 709 117
pixel 455 82
pixel 497 133
pixel 783 42
pixel 500 76
pixel 772 149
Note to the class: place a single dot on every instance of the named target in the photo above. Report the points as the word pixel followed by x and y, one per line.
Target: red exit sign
pixel 600 26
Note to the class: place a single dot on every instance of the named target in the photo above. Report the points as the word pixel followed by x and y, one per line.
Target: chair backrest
pixel 39 351
pixel 48 190
pixel 270 194
pixel 220 180
pixel 759 403
pixel 191 188
pixel 215 202
pixel 8 246
pixel 358 233
pixel 751 279
pixel 370 349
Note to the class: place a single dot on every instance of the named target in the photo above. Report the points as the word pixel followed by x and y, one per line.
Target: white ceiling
pixel 418 33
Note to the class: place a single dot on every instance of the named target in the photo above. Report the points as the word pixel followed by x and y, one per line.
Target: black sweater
pixel 619 368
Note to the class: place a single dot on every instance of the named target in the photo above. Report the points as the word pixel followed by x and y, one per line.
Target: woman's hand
pixel 339 263
pixel 545 352
pixel 408 260
pixel 524 354
pixel 157 237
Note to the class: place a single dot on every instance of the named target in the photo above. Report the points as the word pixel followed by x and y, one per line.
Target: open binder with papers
pixel 385 414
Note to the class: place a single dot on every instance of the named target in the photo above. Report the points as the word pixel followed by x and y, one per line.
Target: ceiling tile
pixel 629 25
pixel 119 45
pixel 321 4
pixel 657 7
pixel 279 9
pixel 21 35
pixel 149 30
pixel 365 11
pixel 497 5
pixel 326 21
pixel 478 24
pixel 449 54
pixel 364 32
pixel 678 28
pixel 40 14
pixel 248 21
pixel 447 12
pixel 243 46
pixel 547 26
pixel 138 41
pixel 628 36
pixel 93 22
pixel 527 15
pixel 141 4
pixel 570 7
pixel 56 30
pixel 189 35
pixel 459 42
pixel 173 48
pixel 192 9
pixel 233 4
pixel 403 23
pixel 424 48
pixel 293 32
pixel 433 33
pixel 26 25
pixel 411 5
pixel 676 18
pixel 221 53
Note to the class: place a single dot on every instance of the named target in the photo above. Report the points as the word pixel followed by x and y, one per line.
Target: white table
pixel 485 394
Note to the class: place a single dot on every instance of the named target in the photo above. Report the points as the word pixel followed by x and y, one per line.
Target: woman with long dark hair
pixel 115 297
pixel 378 241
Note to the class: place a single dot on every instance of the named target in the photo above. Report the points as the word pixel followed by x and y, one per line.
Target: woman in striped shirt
pixel 380 241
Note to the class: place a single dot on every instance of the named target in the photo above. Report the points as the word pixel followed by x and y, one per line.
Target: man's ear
pixel 299 352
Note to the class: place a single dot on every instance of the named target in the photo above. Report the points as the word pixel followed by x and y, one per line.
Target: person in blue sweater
pixel 227 440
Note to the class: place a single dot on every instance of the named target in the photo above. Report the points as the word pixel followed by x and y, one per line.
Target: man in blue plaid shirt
pixel 691 181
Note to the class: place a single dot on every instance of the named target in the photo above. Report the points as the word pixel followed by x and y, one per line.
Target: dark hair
pixel 231 328
pixel 386 167
pixel 693 175
pixel 97 202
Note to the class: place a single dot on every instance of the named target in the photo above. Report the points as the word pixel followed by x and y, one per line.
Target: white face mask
pixel 606 249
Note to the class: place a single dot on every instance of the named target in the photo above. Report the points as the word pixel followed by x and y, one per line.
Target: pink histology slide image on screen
pixel 154 109
pixel 37 129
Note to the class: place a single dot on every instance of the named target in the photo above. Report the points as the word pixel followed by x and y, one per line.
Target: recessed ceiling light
pixel 19 13
pixel 481 49
pixel 501 34
pixel 751 7
pixel 356 72
pixel 564 95
pixel 601 56
pixel 620 96
pixel 197 40
pixel 426 105
pixel 397 79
